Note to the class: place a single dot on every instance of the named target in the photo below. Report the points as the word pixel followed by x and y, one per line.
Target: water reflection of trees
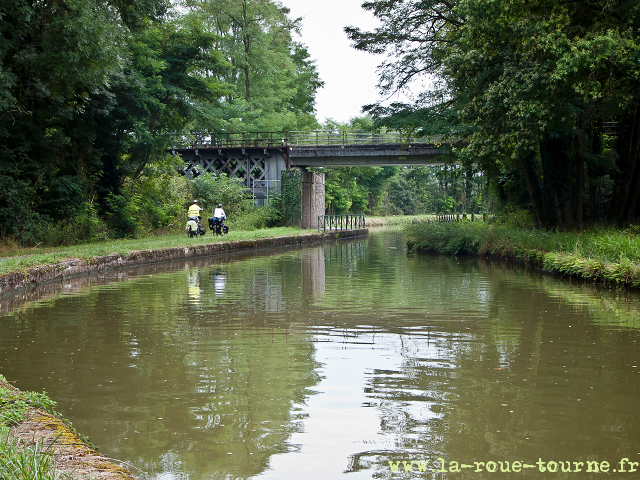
pixel 205 369
pixel 531 374
pixel 154 366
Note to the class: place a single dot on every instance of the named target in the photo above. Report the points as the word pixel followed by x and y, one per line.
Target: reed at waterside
pixel 599 254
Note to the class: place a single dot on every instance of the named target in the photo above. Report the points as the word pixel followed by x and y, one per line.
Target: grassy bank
pixel 20 460
pixel 600 254
pixel 18 259
pixel 36 443
pixel 397 220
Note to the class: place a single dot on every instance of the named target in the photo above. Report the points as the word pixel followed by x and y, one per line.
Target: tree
pixel 93 94
pixel 274 80
pixel 534 81
pixel 56 61
pixel 535 78
pixel 414 34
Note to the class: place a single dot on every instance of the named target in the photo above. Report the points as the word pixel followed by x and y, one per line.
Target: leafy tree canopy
pixel 93 93
pixel 531 84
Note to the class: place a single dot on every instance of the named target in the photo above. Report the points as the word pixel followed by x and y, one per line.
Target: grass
pixel 599 254
pixel 14 259
pixel 19 461
pixel 27 462
pixel 14 404
pixel 397 220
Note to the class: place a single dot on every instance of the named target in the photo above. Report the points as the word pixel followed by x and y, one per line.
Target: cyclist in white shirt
pixel 218 213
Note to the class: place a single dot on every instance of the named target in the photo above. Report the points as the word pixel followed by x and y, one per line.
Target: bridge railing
pixel 306 138
pixel 341 222
pixel 238 139
pixel 358 137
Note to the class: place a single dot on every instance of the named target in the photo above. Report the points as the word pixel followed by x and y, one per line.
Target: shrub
pixel 446 237
pixel 256 219
pixel 211 189
pixel 511 216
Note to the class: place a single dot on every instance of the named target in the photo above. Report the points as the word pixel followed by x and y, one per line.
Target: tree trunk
pixel 556 156
pixel 533 187
pixel 578 197
pixel 627 188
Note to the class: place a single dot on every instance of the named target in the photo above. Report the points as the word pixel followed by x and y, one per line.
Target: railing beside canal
pixel 456 217
pixel 341 222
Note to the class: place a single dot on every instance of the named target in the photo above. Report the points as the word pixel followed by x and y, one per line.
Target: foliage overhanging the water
pixel 608 255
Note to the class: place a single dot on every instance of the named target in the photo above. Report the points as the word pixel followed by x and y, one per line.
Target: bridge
pixel 259 158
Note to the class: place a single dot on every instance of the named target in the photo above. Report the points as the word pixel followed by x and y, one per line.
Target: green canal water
pixel 333 361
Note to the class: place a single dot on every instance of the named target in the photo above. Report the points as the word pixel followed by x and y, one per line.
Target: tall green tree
pixel 167 88
pixel 273 77
pixel 93 93
pixel 535 81
pixel 56 63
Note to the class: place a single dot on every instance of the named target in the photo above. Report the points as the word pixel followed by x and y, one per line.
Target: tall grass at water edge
pixel 600 254
pixel 27 462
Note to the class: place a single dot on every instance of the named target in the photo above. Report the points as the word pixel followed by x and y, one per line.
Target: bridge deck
pixel 365 155
pixel 260 157
pixel 325 149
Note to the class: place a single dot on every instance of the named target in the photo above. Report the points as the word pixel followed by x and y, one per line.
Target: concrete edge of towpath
pixel 41 274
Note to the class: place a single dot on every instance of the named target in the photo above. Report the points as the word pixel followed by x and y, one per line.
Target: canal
pixel 342 360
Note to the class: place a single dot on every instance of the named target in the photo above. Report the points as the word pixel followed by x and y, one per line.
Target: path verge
pixel 30 277
pixel 49 435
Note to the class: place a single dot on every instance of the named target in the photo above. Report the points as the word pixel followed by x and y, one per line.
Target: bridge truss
pixel 258 158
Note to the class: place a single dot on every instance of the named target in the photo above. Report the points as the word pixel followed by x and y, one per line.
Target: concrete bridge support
pixel 312 198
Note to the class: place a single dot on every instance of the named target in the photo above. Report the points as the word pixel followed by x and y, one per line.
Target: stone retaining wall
pixel 14 281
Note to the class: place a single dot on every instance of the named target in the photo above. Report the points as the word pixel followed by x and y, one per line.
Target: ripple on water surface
pixel 332 361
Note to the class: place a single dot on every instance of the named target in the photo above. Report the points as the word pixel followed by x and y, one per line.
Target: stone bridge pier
pixel 259 158
pixel 312 198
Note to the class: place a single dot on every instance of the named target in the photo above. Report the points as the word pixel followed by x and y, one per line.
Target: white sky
pixel 350 76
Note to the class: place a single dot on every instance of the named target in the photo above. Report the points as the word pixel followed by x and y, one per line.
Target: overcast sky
pixel 349 75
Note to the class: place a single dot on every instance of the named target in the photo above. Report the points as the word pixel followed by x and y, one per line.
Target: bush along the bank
pixel 606 255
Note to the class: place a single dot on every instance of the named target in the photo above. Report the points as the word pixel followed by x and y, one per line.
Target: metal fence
pixel 307 138
pixel 360 137
pixel 264 192
pixel 236 140
pixel 456 217
pixel 340 222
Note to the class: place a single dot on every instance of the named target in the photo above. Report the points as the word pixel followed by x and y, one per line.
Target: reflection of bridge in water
pixel 260 158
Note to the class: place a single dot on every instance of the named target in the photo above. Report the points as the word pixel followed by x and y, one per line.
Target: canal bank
pixel 259 364
pixel 607 256
pixel 43 274
pixel 43 440
pixel 46 431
